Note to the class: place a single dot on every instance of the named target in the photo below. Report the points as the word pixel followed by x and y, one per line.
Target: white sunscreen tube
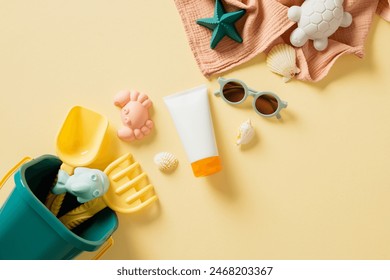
pixel 190 111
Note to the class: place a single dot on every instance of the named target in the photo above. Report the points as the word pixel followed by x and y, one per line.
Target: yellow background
pixel 314 185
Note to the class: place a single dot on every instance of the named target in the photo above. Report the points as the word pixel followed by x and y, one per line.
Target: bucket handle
pixel 104 248
pixel 13 170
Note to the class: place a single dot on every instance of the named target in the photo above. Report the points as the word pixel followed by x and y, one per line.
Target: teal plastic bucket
pixel 28 230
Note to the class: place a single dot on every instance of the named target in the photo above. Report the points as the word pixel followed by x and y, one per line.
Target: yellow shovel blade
pixel 80 139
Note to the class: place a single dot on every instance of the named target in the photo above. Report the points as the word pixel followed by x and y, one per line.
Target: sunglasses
pixel 266 104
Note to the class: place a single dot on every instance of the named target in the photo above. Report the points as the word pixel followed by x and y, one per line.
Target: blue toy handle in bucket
pixel 29 231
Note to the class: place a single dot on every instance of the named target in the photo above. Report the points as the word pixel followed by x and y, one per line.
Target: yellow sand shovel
pixel 129 191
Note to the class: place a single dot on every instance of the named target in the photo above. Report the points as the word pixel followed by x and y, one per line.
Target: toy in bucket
pixel 29 231
pixel 129 192
pixel 82 141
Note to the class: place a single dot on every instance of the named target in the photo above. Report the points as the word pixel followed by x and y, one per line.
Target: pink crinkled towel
pixel 266 24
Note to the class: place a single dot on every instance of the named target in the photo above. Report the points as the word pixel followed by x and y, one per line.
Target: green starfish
pixel 222 24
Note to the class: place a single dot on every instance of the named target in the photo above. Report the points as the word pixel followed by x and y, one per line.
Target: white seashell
pixel 282 60
pixel 166 161
pixel 245 133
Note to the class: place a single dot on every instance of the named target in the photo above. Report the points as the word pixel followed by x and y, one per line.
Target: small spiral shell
pixel 166 161
pixel 245 133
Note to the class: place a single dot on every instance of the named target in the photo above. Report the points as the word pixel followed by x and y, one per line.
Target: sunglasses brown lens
pixel 233 92
pixel 266 104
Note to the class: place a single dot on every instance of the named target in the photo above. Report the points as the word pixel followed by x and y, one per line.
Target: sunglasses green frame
pixel 250 92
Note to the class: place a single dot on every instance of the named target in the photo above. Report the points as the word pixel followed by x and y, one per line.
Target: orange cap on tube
pixel 206 166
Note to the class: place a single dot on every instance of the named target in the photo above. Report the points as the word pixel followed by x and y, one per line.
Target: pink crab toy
pixel 134 114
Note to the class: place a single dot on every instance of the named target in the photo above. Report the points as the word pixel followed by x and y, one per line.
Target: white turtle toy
pixel 317 20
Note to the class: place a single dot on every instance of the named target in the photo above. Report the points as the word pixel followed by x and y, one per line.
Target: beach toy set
pixel 66 204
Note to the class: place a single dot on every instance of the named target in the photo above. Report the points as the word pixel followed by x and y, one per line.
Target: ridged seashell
pixel 245 133
pixel 166 161
pixel 282 60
